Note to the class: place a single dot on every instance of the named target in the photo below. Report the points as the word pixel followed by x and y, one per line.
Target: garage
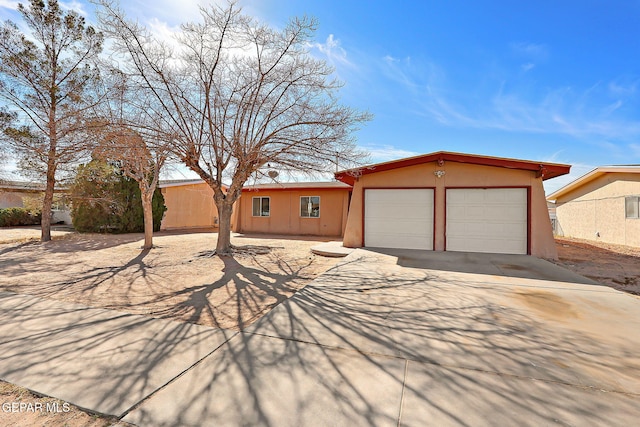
pixel 446 201
pixel 487 220
pixel 399 218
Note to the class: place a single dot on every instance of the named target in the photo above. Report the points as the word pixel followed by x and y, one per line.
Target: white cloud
pixel 622 89
pixel 532 51
pixel 333 51
pixel 9 4
pixel 528 66
pixel 75 6
pixel 383 153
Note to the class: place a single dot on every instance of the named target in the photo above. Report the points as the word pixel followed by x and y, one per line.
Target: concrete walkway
pixel 102 360
pixel 371 342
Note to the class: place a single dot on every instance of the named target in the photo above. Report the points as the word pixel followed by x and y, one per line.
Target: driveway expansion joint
pixel 175 378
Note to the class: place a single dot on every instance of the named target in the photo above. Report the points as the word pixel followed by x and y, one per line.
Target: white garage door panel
pixel 397 218
pixel 487 220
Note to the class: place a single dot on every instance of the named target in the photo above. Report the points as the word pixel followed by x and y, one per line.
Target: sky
pixel 553 81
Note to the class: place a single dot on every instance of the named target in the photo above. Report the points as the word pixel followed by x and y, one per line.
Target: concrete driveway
pixel 422 338
pixel 385 338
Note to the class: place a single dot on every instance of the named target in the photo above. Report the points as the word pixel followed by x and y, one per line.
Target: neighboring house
pixel 15 194
pixel 302 208
pixel 603 205
pixel 454 202
pixel 552 216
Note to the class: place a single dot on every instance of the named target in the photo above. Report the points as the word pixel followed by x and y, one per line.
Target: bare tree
pixel 239 95
pixel 128 135
pixel 45 77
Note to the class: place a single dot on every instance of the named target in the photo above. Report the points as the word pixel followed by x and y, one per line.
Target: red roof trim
pixel 542 169
pixel 305 188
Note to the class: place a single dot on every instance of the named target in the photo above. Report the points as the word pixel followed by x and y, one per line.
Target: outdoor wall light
pixel 439 174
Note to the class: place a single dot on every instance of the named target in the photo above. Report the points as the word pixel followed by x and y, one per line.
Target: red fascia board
pixel 545 170
pixel 309 188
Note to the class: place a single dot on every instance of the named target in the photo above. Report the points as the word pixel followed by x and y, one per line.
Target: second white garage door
pixel 487 220
pixel 398 218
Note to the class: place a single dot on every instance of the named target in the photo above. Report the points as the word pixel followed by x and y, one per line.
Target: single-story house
pixel 302 208
pixel 13 194
pixel 298 208
pixel 19 194
pixel 447 201
pixel 189 204
pixel 602 205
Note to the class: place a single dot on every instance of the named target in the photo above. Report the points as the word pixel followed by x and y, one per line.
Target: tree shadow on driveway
pixel 371 343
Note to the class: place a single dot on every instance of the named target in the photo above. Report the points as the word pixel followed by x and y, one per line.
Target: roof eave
pixel 542 169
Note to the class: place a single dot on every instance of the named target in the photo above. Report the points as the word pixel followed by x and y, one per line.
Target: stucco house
pixel 16 194
pixel 602 205
pixel 303 208
pixel 189 204
pixel 298 208
pixel 441 201
pixel 447 201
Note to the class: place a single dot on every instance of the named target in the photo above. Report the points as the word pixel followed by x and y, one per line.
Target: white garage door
pixel 487 220
pixel 398 218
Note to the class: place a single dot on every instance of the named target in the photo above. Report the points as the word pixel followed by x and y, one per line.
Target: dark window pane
pixel 265 206
pixel 632 206
pixel 315 207
pixel 304 206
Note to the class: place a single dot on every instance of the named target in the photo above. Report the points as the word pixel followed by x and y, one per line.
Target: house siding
pixel 285 216
pixel 596 210
pixel 189 206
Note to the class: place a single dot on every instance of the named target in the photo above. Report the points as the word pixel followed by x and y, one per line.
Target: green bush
pixel 11 217
pixel 105 201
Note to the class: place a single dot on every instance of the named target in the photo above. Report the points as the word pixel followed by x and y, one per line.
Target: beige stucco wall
pixel 285 213
pixel 13 199
pixel 596 211
pixel 456 175
pixel 189 206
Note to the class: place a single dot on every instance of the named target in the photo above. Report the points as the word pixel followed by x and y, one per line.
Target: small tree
pixel 46 78
pixel 127 134
pixel 136 161
pixel 238 95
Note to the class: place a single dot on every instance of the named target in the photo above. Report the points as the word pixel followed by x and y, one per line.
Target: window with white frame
pixel 632 207
pixel 310 206
pixel 261 206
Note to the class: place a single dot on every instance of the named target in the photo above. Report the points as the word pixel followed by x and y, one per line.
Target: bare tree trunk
pixel 147 209
pixel 47 204
pixel 223 247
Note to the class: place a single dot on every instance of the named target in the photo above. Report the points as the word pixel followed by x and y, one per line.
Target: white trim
pixel 260 197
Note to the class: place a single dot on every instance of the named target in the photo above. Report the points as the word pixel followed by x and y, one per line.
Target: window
pixel 261 206
pixel 310 206
pixel 632 207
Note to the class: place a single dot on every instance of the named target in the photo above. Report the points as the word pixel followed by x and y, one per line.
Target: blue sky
pixel 546 80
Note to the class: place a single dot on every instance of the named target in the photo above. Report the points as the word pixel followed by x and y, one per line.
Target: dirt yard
pixel 612 265
pixel 179 279
pixel 21 408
